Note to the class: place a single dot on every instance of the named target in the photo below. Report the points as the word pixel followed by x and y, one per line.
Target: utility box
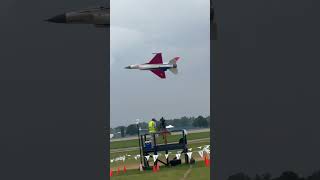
pixel 147 145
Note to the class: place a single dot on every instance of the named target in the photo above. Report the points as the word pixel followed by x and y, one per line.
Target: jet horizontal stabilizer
pixel 174 70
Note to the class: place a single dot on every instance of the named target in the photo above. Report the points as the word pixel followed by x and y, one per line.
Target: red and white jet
pixel 157 66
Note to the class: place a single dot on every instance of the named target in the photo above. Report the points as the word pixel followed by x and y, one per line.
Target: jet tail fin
pixel 174 70
pixel 174 60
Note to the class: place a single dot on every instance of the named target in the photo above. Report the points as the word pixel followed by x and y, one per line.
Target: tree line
pixel 178 123
pixel 286 175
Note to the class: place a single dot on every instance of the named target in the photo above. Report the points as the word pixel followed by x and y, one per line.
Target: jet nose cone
pixel 127 67
pixel 61 18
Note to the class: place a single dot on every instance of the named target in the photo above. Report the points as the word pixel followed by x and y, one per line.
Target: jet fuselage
pixel 100 17
pixel 163 67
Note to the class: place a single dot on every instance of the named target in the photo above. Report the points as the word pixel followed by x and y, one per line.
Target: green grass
pixel 131 161
pixel 199 174
pixel 170 138
pixel 198 171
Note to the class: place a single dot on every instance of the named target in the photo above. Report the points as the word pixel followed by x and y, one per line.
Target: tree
pixel 112 131
pixel 132 129
pixel 208 120
pixel 186 121
pixel 143 125
pixel 258 177
pixel 200 121
pixel 122 130
pixel 288 175
pixel 266 176
pixel 239 176
pixel 314 176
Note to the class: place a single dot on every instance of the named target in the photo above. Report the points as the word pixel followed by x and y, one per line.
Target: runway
pixel 137 148
pixel 188 131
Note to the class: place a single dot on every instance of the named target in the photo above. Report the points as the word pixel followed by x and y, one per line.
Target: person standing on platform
pixel 152 129
pixel 163 130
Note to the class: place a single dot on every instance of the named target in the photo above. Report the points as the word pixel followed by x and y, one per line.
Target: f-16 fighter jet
pixel 100 17
pixel 157 66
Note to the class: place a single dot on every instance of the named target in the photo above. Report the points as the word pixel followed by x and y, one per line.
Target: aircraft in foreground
pixel 157 66
pixel 98 16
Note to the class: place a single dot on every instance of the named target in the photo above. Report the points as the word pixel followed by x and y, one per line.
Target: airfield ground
pixel 196 171
pixel 129 147
pixel 171 138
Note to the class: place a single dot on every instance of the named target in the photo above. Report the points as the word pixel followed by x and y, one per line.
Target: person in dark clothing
pixel 163 129
pixel 162 124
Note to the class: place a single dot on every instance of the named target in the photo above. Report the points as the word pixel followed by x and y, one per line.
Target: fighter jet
pixel 157 66
pixel 98 16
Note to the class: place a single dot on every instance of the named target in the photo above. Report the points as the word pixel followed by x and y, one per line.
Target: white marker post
pixel 178 156
pixel 189 155
pixel 166 155
pixel 155 157
pixel 200 153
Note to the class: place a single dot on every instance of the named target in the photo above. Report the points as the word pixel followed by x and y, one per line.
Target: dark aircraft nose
pixel 61 18
pixel 128 67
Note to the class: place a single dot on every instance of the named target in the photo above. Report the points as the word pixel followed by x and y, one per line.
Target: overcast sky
pixel 175 28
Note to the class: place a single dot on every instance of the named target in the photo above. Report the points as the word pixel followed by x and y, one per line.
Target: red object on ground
pixel 154 169
pixel 118 171
pixel 206 161
pixel 124 169
pixel 158 167
pixel 111 172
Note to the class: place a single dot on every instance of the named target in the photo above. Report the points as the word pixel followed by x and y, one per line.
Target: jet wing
pixel 157 59
pixel 159 73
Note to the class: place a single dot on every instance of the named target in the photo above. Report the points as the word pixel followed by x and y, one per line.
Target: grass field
pixel 196 171
pixel 131 162
pixel 171 138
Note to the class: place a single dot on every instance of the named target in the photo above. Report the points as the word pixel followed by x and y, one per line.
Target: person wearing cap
pixel 152 129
